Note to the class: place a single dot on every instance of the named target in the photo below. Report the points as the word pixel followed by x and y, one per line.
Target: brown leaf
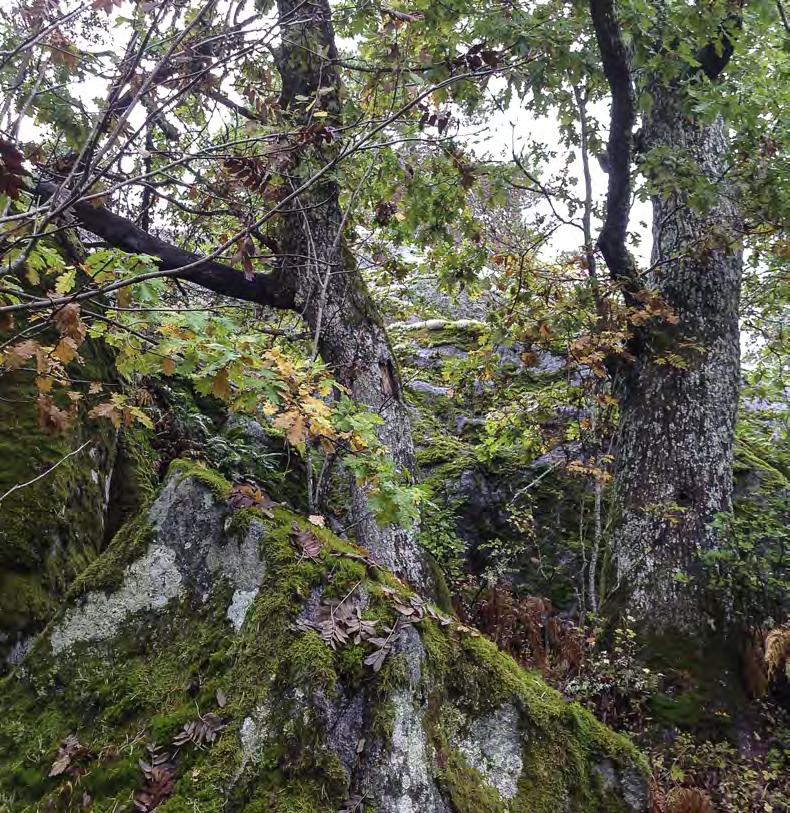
pixel 108 410
pixel 205 730
pixel 244 495
pixel 18 354
pixel 293 425
pixel 51 418
pixel 66 350
pixel 376 659
pixel 306 541
pixel 220 386
pixel 68 322
pixel 70 749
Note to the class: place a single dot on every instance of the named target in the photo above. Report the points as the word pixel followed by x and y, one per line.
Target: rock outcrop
pixel 224 658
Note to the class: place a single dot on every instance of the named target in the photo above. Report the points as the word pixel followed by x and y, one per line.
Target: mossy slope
pixel 306 726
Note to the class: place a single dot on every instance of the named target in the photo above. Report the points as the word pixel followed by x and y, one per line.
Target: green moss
pixel 440 591
pixel 24 602
pixel 438 649
pixel 344 575
pixel 106 572
pixel 464 337
pixel 241 520
pixel 175 661
pixel 684 710
pixel 53 527
pixel 309 663
pixel 219 486
pixel 465 787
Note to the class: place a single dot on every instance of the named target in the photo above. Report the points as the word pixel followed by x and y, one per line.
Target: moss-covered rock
pixel 156 648
pixel 53 527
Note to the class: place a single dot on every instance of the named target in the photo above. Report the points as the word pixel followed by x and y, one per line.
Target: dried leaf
pixel 205 730
pixel 222 698
pixel 292 423
pixel 51 418
pixel 306 541
pixel 377 658
pixel 108 410
pixel 70 750
pixel 220 386
pixel 68 322
pixel 245 495
pixel 65 350
pixel 18 354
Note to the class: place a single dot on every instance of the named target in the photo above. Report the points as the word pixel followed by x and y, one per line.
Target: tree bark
pixel 326 285
pixel 675 444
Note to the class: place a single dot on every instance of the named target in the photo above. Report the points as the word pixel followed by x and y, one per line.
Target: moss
pixel 465 336
pixel 241 521
pixel 53 527
pixel 350 665
pixel 440 591
pixel 465 787
pixel 344 575
pixel 438 649
pixel 24 602
pixel 106 572
pixel 219 486
pixel 175 661
pixel 683 710
pixel 134 482
pixel 309 663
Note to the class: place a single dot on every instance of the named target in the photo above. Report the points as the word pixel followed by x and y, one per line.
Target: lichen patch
pixel 149 584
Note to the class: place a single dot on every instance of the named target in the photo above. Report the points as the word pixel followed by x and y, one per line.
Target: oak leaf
pixel 18 354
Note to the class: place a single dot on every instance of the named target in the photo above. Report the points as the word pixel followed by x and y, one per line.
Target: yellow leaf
pixel 66 350
pixel 220 386
pixel 168 367
pixel 315 406
pixel 65 282
pixel 124 297
pixel 292 424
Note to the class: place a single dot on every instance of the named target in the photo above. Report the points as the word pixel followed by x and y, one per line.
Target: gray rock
pixel 190 550
pixel 493 748
pixel 424 388
pixel 149 584
pixel 401 779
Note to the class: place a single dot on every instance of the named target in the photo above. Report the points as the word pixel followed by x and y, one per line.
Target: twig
pixel 44 474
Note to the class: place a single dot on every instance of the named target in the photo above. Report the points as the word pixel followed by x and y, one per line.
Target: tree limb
pixel 617 69
pixel 264 289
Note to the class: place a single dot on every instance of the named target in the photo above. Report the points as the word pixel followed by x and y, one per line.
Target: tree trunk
pixel 679 398
pixel 328 289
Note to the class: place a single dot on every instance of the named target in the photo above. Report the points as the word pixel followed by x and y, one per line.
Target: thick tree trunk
pixel 679 398
pixel 328 289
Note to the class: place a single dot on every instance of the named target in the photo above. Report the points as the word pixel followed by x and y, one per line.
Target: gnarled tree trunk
pixel 328 289
pixel 679 398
